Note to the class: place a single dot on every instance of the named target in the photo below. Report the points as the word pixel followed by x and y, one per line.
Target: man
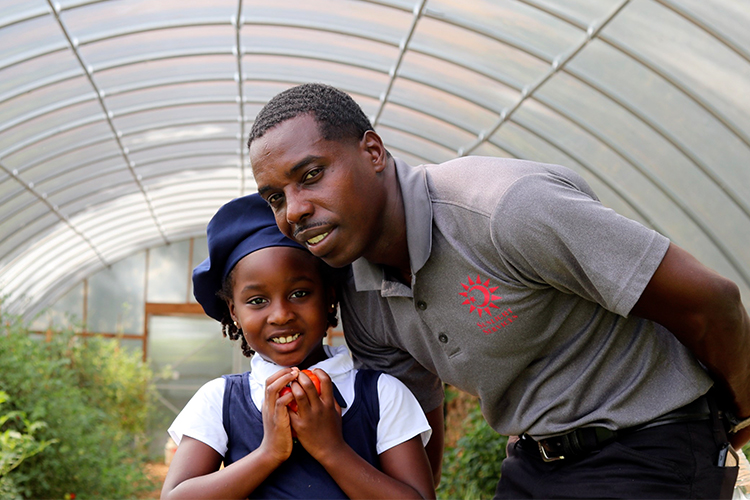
pixel 578 328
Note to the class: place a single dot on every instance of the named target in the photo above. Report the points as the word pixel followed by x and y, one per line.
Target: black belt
pixel 585 440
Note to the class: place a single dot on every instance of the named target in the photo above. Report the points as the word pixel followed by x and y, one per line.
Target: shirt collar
pixel 338 362
pixel 338 366
pixel 418 214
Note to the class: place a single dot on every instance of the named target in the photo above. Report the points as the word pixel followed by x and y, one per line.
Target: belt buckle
pixel 545 456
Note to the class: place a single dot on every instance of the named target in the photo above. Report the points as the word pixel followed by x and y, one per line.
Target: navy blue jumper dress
pixel 301 476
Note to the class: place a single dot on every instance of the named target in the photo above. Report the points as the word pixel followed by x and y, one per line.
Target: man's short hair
pixel 337 115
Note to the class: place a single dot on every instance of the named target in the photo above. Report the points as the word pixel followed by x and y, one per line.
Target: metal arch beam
pixel 725 40
pixel 107 217
pixel 703 104
pixel 42 197
pixel 726 252
pixel 28 56
pixel 492 110
pixel 35 85
pixel 174 54
pixel 216 155
pixel 593 31
pixel 119 184
pixel 90 162
pixel 35 13
pixel 583 163
pixel 110 114
pixel 640 167
pixel 74 47
pixel 237 23
pixel 161 26
pixel 402 47
pixel 82 123
pixel 421 111
pixel 177 143
pixel 111 186
pixel 727 189
pixel 33 280
pixel 66 219
pixel 8 214
pixel 171 124
pixel 52 154
pixel 418 136
pixel 104 157
pixel 674 81
pixel 557 65
pixel 16 273
pixel 454 94
pixel 39 112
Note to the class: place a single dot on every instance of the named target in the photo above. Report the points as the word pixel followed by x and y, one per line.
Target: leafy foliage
pixel 93 399
pixel 17 443
pixel 471 468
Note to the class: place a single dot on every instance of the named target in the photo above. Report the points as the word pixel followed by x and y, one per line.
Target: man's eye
pixel 311 174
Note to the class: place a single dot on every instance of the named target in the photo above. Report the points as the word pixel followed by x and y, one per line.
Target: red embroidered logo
pixel 487 296
pixel 495 320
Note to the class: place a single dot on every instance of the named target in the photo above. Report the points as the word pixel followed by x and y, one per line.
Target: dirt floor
pixel 157 471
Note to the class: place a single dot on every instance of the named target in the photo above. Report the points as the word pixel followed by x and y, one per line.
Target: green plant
pixel 17 443
pixel 471 468
pixel 94 399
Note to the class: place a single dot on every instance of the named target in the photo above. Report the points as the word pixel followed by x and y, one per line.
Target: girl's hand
pixel 277 431
pixel 317 420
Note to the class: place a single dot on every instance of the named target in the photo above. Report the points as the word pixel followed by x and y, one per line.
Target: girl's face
pixel 281 303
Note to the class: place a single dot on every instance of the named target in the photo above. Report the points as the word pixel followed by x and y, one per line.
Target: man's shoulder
pixel 479 182
pixel 493 164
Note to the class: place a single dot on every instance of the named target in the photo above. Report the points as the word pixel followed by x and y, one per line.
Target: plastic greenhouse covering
pixel 123 122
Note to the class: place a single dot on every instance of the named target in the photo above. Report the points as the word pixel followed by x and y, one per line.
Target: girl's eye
pixel 256 301
pixel 273 199
pixel 299 294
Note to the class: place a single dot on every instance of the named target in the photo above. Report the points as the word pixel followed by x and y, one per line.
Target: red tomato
pixel 316 382
pixel 314 378
pixel 284 391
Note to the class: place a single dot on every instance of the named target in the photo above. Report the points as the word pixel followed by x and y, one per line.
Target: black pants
pixel 667 461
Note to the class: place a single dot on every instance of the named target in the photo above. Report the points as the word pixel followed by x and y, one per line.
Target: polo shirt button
pixel 443 338
pixel 421 305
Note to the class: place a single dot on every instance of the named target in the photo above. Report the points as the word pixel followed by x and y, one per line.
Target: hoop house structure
pixel 123 122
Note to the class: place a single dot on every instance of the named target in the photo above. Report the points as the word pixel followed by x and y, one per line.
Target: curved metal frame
pixel 420 11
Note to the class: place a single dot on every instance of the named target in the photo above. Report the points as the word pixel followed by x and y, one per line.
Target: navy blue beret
pixel 239 228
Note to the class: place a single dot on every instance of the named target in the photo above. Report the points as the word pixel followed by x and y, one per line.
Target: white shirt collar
pixel 338 366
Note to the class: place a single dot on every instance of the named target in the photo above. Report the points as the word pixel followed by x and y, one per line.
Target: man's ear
pixel 372 146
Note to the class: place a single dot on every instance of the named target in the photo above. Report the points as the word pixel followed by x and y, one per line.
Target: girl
pixel 362 437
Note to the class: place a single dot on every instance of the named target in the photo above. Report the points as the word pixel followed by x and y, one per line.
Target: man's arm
pixel 704 311
pixel 434 447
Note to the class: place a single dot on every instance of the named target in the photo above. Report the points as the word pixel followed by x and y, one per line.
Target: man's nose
pixel 298 208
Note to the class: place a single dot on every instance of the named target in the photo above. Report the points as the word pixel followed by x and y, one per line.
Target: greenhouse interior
pixel 124 123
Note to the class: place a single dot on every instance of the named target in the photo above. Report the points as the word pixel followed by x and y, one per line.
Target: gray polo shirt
pixel 522 284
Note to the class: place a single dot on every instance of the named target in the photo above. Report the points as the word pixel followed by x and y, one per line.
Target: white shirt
pixel 401 417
